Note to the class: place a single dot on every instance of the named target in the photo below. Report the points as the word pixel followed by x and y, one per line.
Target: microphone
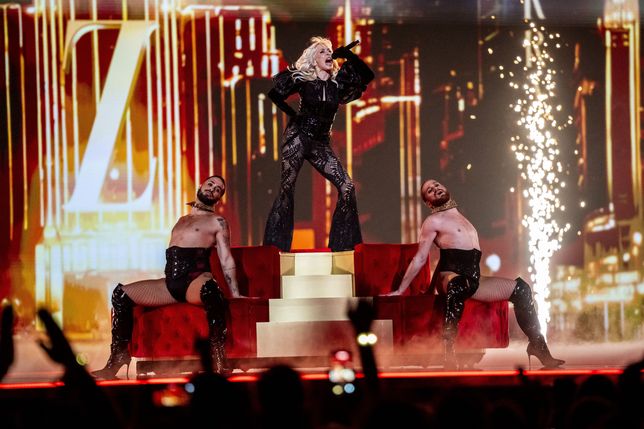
pixel 352 44
pixel 349 46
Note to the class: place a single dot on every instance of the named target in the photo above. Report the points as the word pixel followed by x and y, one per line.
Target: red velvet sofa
pixel 418 315
pixel 167 333
pixel 170 331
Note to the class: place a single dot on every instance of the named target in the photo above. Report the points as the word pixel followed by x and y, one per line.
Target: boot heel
pixel 110 371
pixel 449 356
pixel 529 362
pixel 539 349
pixel 122 321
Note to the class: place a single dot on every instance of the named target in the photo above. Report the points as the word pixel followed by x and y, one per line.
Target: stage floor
pixel 32 365
pixel 32 384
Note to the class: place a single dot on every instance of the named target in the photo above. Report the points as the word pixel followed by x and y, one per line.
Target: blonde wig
pixel 305 67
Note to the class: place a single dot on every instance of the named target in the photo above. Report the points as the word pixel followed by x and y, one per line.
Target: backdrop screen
pixel 113 112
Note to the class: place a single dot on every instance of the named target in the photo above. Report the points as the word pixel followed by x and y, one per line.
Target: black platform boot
pixel 122 322
pixel 215 306
pixel 526 314
pixel 459 289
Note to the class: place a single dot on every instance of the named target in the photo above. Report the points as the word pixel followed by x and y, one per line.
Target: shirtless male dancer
pixel 459 275
pixel 188 278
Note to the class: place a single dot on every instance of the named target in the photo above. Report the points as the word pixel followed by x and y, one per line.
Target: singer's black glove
pixel 280 102
pixel 342 52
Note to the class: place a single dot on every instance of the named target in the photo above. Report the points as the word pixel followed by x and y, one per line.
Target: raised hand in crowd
pixel 80 386
pixel 59 350
pixel 6 340
pixel 362 316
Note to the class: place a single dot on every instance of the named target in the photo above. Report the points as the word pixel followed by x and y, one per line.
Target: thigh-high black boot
pixel 526 314
pixel 122 323
pixel 459 289
pixel 215 306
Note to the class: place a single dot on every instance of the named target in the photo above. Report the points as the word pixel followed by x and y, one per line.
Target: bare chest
pixel 194 231
pixel 456 231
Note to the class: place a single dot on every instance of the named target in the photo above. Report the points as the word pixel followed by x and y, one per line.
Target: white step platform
pixel 317 286
pixel 316 263
pixel 309 309
pixel 311 318
pixel 290 339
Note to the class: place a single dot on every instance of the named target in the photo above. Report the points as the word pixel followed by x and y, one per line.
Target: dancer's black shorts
pixel 183 265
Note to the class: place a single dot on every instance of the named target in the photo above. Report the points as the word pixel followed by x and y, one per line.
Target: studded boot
pixel 526 314
pixel 459 289
pixel 122 323
pixel 215 306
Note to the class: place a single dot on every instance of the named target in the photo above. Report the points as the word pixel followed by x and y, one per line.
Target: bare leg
pixel 193 294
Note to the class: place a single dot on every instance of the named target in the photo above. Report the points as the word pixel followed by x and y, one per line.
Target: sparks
pixel 537 160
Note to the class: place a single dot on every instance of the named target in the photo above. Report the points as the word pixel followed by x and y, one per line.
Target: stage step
pixel 281 339
pixel 317 286
pixel 309 309
pixel 311 317
pixel 316 263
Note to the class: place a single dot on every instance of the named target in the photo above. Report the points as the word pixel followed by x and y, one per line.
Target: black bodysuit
pixel 462 262
pixel 183 265
pixel 307 137
pixel 459 261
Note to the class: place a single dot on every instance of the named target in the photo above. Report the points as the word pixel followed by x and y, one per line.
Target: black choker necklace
pixel 200 206
pixel 449 204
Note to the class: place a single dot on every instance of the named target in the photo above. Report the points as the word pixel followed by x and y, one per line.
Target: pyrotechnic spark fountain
pixel 537 154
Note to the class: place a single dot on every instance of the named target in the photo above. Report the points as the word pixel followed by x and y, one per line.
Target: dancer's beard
pixel 205 199
pixel 442 200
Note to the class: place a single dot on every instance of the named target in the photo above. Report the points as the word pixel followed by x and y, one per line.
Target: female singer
pixel 322 85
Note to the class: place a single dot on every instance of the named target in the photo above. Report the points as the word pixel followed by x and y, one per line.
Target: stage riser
pixel 317 286
pixel 168 332
pixel 311 318
pixel 275 339
pixel 309 309
pixel 316 263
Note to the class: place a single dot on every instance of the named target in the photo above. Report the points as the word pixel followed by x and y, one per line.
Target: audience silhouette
pixel 6 340
pixel 281 399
